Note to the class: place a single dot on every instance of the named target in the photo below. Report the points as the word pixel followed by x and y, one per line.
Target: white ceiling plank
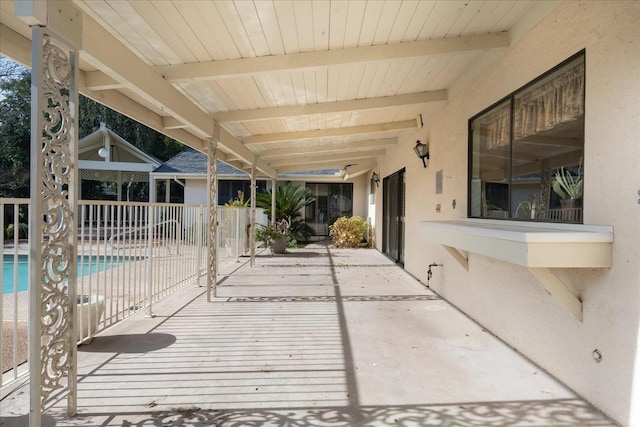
pixel 333 77
pixel 299 88
pixel 253 27
pixel 218 37
pixel 358 104
pixel 370 23
pixel 405 13
pixel 175 21
pixel 459 25
pixel 338 22
pixel 126 24
pixel 416 25
pixel 288 91
pixel 288 23
pixel 435 17
pixel 201 28
pixel 269 21
pixel 173 49
pixel 309 86
pixel 387 20
pixel 234 68
pixel 497 14
pixel 457 11
pixel 322 82
pixel 376 89
pixel 304 25
pixel 320 15
pixel 331 132
pixel 233 22
pixel 355 17
pixel 365 81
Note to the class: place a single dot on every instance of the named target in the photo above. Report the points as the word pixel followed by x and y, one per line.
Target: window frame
pixel 510 99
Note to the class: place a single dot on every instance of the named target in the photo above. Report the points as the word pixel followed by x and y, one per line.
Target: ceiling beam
pixel 249 67
pixel 329 158
pixel 329 148
pixel 332 107
pixel 97 80
pixel 354 170
pixel 15 46
pixel 332 133
pixel 108 54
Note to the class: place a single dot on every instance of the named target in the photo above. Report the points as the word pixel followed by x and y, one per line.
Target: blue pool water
pixel 89 265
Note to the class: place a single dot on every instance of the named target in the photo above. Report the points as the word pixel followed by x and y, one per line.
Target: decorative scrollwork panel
pixel 55 281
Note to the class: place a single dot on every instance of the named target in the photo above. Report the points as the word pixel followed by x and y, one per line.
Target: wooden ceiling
pixel 294 85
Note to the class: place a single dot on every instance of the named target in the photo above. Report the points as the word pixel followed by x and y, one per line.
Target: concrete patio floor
pixel 316 337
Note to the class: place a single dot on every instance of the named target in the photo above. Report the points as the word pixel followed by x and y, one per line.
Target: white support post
pixel 212 200
pixel 252 232
pixel 152 188
pixel 150 236
pixel 52 223
pixel 198 240
pixel 273 201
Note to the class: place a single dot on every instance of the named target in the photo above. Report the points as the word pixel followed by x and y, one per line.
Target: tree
pixel 15 123
pixel 15 126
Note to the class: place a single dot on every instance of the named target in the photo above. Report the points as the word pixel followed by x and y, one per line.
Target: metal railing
pixel 130 255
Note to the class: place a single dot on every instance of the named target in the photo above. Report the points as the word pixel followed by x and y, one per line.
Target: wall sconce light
pixel 422 151
pixel 103 152
pixel 375 178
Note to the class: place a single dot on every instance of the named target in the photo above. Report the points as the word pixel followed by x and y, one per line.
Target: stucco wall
pixel 506 298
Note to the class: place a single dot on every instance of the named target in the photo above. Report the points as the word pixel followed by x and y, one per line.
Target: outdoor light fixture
pixel 422 151
pixel 103 152
pixel 376 178
pixel 344 173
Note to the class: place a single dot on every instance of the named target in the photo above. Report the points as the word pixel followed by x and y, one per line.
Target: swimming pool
pixel 89 265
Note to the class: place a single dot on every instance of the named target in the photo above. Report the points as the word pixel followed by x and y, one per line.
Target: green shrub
pixel 23 231
pixel 348 232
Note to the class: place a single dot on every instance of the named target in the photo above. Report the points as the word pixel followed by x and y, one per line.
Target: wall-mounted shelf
pixel 537 246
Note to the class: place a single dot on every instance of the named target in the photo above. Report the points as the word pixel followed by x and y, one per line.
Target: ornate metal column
pixel 54 138
pixel 212 199
pixel 252 233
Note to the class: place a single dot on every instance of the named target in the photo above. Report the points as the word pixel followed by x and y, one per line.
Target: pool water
pixel 89 265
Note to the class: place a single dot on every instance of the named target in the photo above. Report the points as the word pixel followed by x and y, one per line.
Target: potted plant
pixel 275 236
pixel 569 188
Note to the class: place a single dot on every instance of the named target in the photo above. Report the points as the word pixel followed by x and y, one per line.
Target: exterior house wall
pixel 195 191
pixel 505 298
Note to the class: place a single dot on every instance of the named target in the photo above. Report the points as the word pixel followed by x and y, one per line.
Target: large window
pixel 526 152
pixel 331 202
pixel 228 189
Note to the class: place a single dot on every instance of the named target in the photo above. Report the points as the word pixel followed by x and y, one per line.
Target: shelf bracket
pixel 461 256
pixel 557 288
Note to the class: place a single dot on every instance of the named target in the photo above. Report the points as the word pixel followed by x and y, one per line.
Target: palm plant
pixel 290 201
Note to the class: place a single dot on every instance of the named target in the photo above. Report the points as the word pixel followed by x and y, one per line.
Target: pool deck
pixel 316 337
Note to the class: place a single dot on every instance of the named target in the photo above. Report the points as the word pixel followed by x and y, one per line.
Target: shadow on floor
pixel 563 412
pixel 129 343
